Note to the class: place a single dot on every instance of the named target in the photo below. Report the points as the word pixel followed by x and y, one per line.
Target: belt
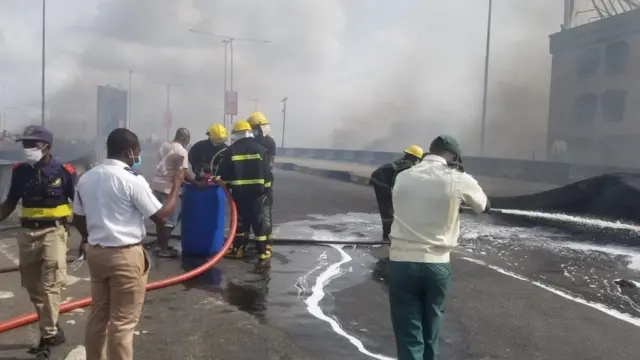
pixel 42 224
pixel 128 246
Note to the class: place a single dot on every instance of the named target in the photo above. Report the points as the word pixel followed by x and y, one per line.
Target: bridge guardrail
pixel 525 170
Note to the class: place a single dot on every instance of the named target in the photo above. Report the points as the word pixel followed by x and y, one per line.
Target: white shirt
pixel 115 203
pixel 163 179
pixel 426 203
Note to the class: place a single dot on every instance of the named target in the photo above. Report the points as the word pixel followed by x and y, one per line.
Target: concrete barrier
pixel 527 170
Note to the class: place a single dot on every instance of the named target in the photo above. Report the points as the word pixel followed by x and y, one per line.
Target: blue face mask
pixel 136 164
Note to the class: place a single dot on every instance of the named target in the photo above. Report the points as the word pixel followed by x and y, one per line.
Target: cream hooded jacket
pixel 426 202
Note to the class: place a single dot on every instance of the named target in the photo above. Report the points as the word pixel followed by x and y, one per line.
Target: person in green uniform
pixel 426 201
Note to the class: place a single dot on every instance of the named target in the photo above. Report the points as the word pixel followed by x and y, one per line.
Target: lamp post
pixel 284 118
pixel 228 41
pixel 44 65
pixel 486 83
pixel 129 102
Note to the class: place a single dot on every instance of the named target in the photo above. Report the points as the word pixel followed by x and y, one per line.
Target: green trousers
pixel 416 296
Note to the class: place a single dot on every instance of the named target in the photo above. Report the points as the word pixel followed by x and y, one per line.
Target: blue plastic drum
pixel 202 220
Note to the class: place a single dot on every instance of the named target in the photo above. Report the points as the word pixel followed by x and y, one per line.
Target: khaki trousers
pixel 43 271
pixel 118 280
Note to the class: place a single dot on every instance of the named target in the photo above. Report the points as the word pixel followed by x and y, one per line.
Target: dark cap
pixel 447 143
pixel 36 133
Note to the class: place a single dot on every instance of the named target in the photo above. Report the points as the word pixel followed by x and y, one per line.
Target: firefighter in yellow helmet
pixel 383 178
pixel 205 155
pixel 245 169
pixel 262 132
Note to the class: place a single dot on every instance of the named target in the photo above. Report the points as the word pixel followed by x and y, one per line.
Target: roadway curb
pixel 341 175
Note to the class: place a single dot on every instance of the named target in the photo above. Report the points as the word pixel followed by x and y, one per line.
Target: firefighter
pixel 45 187
pixel 262 132
pixel 245 168
pixel 383 178
pixel 205 155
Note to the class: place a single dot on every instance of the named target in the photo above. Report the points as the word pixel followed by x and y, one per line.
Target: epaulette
pixel 69 168
pixel 130 170
pixel 16 165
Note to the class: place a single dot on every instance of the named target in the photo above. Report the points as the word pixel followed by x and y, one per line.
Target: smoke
pixel 368 74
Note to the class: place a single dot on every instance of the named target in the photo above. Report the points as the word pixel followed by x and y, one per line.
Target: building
pixel 594 107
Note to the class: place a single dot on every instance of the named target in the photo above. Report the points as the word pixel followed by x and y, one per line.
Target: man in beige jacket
pixel 426 227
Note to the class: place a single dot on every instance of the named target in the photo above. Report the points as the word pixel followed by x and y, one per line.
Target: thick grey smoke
pixel 368 74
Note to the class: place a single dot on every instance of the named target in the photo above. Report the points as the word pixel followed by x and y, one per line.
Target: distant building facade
pixel 594 107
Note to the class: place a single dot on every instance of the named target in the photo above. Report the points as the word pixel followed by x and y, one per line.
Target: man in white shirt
pixel 163 181
pixel 426 227
pixel 112 202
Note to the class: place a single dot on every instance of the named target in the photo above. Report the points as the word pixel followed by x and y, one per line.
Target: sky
pixel 368 74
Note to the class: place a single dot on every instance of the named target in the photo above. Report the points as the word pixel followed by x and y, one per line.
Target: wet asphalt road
pixel 488 315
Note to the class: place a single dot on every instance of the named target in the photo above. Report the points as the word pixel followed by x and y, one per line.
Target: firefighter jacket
pixel 245 168
pixel 201 155
pixel 385 175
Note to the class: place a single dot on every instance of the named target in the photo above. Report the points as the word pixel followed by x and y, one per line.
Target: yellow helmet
pixel 256 119
pixel 414 150
pixel 217 133
pixel 241 125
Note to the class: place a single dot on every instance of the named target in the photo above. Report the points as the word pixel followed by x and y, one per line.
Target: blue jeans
pixel 175 216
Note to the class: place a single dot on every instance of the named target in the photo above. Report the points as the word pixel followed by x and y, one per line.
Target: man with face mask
pixel 163 181
pixel 205 155
pixel 245 168
pixel 45 187
pixel 112 202
pixel 262 132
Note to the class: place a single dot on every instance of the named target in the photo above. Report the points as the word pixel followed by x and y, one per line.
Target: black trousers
pixel 385 207
pixel 251 216
pixel 267 214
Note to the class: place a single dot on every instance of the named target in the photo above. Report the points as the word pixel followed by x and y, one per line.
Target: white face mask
pixel 32 155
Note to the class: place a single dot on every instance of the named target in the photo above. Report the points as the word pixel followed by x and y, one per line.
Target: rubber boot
pixel 45 344
pixel 237 250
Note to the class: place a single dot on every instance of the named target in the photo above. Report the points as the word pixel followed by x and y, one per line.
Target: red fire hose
pixel 27 319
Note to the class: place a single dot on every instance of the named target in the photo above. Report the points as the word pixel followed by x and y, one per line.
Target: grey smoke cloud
pixel 358 74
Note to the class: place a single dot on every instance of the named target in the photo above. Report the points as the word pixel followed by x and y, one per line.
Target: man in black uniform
pixel 383 179
pixel 205 155
pixel 245 168
pixel 262 132
pixel 45 187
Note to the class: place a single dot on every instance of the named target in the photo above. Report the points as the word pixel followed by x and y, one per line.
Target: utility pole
pixel 228 40
pixel 255 104
pixel 284 118
pixel 168 113
pixel 129 102
pixel 224 92
pixel 486 83
pixel 44 65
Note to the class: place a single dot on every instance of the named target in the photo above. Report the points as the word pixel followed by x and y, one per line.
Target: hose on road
pixel 33 317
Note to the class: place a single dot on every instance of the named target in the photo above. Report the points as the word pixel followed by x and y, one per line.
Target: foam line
pixel 607 310
pixel 313 303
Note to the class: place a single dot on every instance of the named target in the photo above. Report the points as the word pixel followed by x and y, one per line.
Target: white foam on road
pixel 78 353
pixel 332 272
pixel 6 295
pixel 590 222
pixel 600 307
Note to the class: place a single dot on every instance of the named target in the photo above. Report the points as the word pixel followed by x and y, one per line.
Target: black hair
pixel 119 141
pixel 411 157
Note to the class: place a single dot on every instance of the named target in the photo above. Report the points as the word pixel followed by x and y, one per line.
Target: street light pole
pixel 44 32
pixel 168 113
pixel 284 118
pixel 486 83
pixel 228 40
pixel 255 104
pixel 224 93
pixel 129 102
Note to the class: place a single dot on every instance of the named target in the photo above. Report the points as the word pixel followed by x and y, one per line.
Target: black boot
pixel 47 343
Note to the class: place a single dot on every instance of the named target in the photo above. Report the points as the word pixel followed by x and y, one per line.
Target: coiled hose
pixel 27 319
